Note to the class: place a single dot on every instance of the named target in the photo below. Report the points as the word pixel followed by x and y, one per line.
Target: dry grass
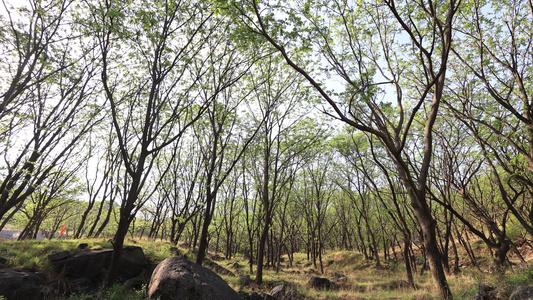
pixel 365 281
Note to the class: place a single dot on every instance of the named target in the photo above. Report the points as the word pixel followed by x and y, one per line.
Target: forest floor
pixel 363 279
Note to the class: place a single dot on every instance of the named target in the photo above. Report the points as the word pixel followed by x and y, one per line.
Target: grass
pixel 116 292
pixel 363 279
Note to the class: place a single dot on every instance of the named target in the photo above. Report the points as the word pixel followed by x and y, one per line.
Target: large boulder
pixel 177 278
pixel 21 284
pixel 93 264
pixel 278 292
pixel 523 292
pixel 321 283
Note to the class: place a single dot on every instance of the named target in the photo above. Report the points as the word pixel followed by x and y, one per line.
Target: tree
pixel 315 195
pixel 492 94
pixel 182 187
pixel 222 142
pixel 60 190
pixel 282 139
pixel 47 100
pixel 355 56
pixel 30 44
pixel 152 58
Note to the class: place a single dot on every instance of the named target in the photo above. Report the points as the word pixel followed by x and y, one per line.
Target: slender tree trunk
pixel 124 222
pixel 7 218
pixel 118 244
pixel 202 248
pixel 106 220
pixel 406 255
pixel 261 249
pixel 455 269
pixel 81 226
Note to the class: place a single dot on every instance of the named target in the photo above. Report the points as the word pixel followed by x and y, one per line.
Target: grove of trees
pixel 266 128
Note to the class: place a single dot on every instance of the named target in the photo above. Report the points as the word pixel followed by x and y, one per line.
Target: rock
pixel 20 284
pixel 293 295
pixel 485 292
pixel 58 255
pixel 236 266
pixel 523 292
pixel 83 246
pixel 256 296
pixel 80 285
pixel 94 264
pixel 321 283
pixel 178 278
pixel 245 280
pixel 54 289
pixel 135 283
pixel 278 292
pixel 218 268
pixel 308 264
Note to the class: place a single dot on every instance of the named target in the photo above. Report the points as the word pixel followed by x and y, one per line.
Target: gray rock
pixel 178 278
pixel 54 289
pixel 83 246
pixel 321 283
pixel 278 292
pixel 20 284
pixel 523 292
pixel 94 264
pixel 80 285
pixel 293 295
pixel 58 255
pixel 484 292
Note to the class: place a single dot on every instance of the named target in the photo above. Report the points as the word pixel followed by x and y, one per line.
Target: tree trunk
pixel 409 271
pixel 428 225
pixel 78 232
pixel 202 248
pixel 261 249
pixel 118 244
pixel 106 220
pixel 501 252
